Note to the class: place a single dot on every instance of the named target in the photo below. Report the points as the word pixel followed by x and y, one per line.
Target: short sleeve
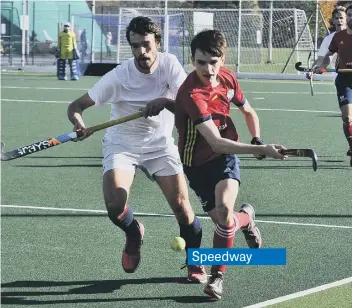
pixel 324 47
pixel 196 108
pixel 333 45
pixel 238 97
pixel 176 75
pixel 106 90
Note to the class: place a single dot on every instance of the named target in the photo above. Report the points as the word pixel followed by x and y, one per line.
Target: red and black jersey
pixel 197 103
pixel 342 44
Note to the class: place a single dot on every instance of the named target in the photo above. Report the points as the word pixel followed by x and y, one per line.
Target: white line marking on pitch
pixel 302 224
pixel 166 215
pixel 292 110
pixel 43 88
pixel 291 92
pixel 234 108
pixel 32 101
pixel 292 81
pixel 301 293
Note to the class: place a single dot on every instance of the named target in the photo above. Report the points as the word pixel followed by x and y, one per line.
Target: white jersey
pixel 324 48
pixel 128 90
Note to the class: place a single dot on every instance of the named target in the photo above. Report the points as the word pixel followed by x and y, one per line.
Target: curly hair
pixel 143 26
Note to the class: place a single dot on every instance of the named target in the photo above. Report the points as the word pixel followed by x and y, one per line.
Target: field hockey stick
pixel 311 77
pixel 48 143
pixel 302 153
pixel 300 68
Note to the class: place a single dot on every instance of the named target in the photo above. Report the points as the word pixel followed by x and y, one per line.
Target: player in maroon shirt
pixel 342 45
pixel 208 141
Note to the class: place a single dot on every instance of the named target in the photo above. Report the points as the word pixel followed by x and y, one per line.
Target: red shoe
pixel 131 255
pixel 197 274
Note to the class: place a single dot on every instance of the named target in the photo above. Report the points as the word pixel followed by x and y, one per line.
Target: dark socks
pixel 347 129
pixel 126 222
pixel 192 234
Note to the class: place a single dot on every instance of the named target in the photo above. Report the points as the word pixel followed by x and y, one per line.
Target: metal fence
pixel 255 51
pixel 37 45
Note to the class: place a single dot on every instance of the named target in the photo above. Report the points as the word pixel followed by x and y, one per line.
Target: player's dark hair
pixel 143 26
pixel 210 41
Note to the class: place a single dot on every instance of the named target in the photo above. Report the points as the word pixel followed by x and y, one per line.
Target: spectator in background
pixel 84 43
pixel 108 39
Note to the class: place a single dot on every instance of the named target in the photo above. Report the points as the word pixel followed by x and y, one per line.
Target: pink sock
pixel 241 220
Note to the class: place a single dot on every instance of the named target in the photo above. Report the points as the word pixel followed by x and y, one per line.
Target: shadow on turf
pixel 90 287
pixel 329 116
pixel 178 299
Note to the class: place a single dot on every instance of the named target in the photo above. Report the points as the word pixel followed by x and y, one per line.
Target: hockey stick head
pixel 6 155
pixel 310 153
pixel 302 153
pixel 298 67
pixel 2 151
pixel 2 148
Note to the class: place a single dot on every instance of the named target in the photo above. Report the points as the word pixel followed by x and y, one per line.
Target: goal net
pixel 261 42
pixel 99 48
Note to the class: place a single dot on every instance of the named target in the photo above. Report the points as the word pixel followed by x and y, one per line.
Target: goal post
pixel 262 43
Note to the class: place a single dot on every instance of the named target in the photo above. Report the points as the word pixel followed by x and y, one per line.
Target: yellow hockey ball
pixel 178 244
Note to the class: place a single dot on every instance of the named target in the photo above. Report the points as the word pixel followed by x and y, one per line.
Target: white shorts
pixel 159 163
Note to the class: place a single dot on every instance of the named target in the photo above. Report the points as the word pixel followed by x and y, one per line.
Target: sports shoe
pixel 197 274
pixel 214 285
pixel 251 232
pixel 131 255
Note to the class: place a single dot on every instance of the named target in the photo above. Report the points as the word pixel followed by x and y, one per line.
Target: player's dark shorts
pixel 203 179
pixel 343 83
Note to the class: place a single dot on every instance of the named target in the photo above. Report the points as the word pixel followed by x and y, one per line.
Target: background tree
pixel 326 8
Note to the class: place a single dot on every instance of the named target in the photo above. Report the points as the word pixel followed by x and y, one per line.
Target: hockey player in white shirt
pixel 149 80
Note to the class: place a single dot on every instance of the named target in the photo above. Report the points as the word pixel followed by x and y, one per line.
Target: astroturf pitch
pixel 60 249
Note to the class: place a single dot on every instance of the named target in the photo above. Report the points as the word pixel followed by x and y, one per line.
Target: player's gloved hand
pixel 272 150
pixel 154 107
pixel 309 75
pixel 82 132
pixel 57 53
pixel 258 141
pixel 317 70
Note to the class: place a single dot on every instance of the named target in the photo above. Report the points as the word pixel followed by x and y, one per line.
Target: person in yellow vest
pixel 67 50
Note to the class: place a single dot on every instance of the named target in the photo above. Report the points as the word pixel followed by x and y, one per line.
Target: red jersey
pixel 197 103
pixel 342 44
